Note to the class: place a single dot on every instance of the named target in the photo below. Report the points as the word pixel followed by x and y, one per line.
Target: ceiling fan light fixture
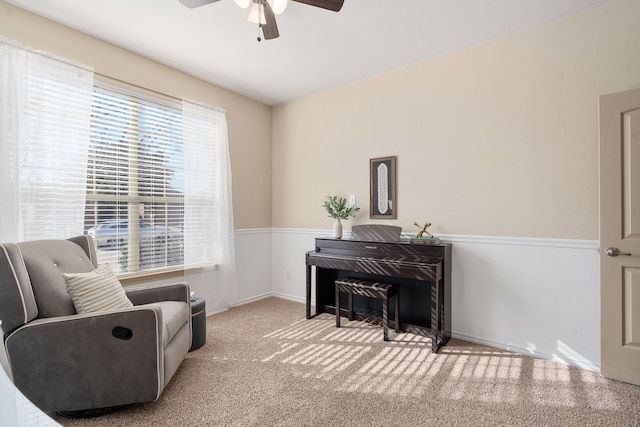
pixel 243 3
pixel 278 6
pixel 256 14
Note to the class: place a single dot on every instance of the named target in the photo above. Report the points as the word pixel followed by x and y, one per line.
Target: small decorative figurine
pixel 421 238
pixel 424 230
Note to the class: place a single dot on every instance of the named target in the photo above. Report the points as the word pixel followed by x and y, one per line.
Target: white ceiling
pixel 316 50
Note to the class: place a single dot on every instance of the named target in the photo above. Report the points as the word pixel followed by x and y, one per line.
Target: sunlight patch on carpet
pixel 302 330
pixel 405 366
pixel 401 371
pixel 327 360
pixel 485 378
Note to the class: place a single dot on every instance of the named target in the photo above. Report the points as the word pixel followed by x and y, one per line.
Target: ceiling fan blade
pixel 333 5
pixel 270 29
pixel 196 3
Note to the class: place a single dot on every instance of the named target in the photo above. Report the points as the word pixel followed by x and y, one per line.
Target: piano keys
pixel 423 273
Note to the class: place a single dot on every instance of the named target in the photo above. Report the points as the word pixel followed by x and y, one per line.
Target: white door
pixel 620 236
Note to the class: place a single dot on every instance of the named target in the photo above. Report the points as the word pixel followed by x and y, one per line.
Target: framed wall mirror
pixel 382 171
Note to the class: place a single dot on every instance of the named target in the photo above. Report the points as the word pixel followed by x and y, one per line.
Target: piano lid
pixel 376 233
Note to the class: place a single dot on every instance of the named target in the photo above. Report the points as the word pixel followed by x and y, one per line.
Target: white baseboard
pixel 534 296
pixel 578 362
pixel 253 299
pixel 290 297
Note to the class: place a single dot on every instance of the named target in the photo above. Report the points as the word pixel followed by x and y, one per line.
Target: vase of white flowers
pixel 337 209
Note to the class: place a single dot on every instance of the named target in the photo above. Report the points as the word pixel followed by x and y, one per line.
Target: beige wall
pixel 250 146
pixel 498 139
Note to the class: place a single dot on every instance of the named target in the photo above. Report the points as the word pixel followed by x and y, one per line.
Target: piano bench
pixel 372 289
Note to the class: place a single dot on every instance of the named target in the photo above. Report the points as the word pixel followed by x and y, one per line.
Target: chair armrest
pixel 178 291
pixel 90 360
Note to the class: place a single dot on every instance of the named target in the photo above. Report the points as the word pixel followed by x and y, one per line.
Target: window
pixel 148 178
pixel 135 182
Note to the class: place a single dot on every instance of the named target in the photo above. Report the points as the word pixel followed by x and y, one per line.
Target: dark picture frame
pixel 382 185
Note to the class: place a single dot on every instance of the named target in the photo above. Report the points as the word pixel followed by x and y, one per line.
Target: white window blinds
pixel 135 180
pixel 158 182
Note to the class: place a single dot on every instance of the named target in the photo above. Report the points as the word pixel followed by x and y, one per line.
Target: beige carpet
pixel 264 364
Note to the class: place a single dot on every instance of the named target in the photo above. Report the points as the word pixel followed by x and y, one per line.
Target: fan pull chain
pixel 260 9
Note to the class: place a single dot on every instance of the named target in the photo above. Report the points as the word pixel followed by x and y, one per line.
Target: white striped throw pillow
pixel 97 290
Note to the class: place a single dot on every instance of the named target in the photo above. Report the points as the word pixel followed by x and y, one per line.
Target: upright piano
pixel 422 271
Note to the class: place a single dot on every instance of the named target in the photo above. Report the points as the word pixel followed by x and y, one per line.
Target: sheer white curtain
pixel 45 113
pixel 208 210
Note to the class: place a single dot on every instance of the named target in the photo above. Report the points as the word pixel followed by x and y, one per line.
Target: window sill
pixel 130 279
pixel 150 276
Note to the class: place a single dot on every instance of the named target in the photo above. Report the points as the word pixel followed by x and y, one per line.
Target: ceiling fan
pixel 262 12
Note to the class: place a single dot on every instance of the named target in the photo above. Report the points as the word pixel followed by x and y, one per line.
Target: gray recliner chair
pixel 65 361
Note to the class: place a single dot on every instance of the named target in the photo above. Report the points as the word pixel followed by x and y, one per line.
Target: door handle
pixel 614 252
